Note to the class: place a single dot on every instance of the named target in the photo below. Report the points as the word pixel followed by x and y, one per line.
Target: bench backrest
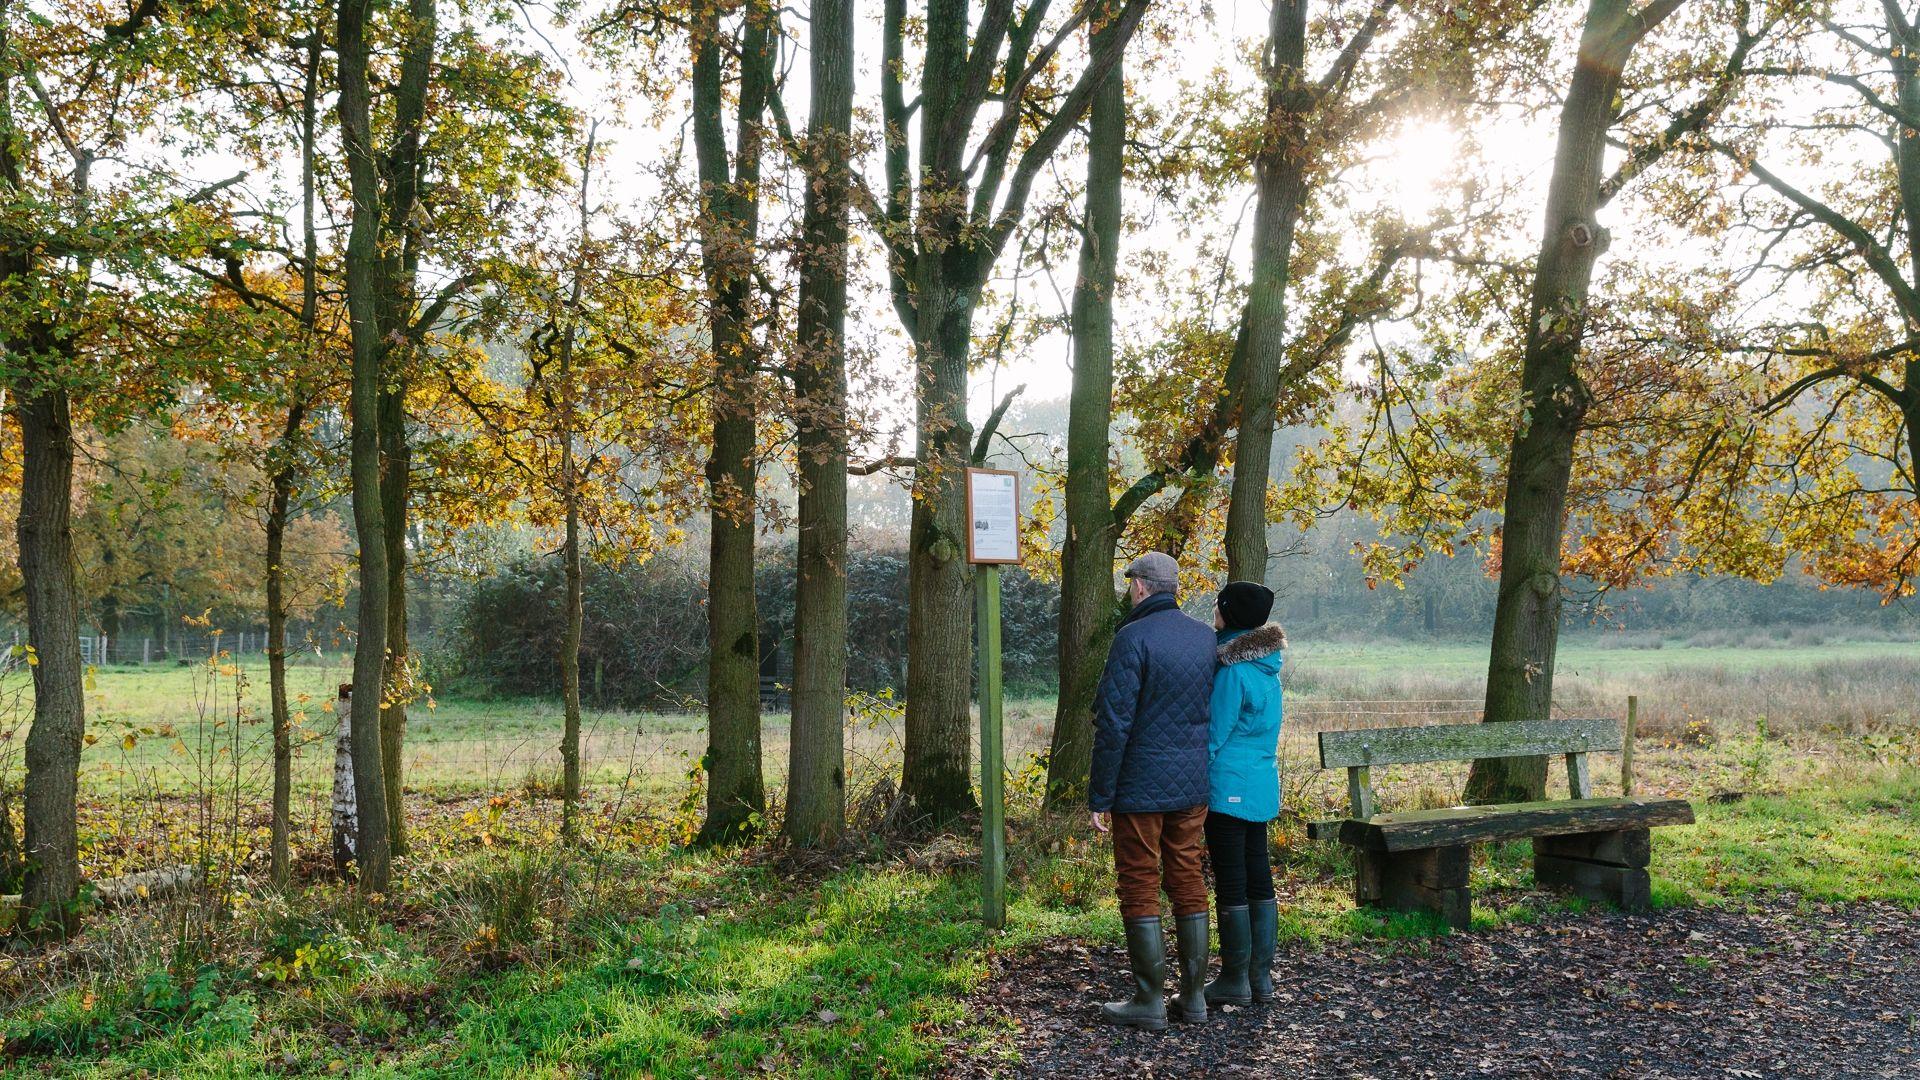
pixel 1357 750
pixel 1465 742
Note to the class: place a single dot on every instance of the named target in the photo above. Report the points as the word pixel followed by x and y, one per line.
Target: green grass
pixel 683 964
pixel 530 963
pixel 1831 842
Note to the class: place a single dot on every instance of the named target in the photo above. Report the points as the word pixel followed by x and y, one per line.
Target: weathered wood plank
pixel 1325 830
pixel 1458 825
pixel 1579 782
pixel 1360 792
pixel 1627 887
pixel 1625 847
pixel 1465 742
pixel 1415 881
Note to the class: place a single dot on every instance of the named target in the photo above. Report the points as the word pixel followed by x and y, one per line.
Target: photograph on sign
pixel 993 511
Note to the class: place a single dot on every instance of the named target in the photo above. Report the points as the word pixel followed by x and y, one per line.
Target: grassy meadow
pixel 503 954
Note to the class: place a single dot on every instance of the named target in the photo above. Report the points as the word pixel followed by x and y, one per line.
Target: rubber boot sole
pixel 1139 1023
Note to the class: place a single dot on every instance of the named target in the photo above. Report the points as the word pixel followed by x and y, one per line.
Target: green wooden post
pixel 993 810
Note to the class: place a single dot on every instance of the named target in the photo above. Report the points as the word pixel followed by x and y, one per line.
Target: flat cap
pixel 1155 566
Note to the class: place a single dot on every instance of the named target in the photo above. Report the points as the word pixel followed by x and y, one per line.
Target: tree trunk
pixel 570 658
pixel 395 311
pixel 44 533
pixel 938 778
pixel 937 781
pixel 1089 607
pixel 736 795
pixel 1280 182
pixel 816 773
pixel 396 464
pixel 1526 622
pixel 373 854
pixel 346 814
pixel 278 508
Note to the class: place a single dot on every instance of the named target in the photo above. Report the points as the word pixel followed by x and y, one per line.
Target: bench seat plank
pixel 1455 825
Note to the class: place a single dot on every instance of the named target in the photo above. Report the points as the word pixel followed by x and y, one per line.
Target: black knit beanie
pixel 1245 604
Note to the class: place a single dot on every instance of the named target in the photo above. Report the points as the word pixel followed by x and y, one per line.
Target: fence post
pixel 1626 744
pixel 146 650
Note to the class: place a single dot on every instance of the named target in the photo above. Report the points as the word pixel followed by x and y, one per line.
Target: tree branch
pixel 981 444
pixel 1876 255
pixel 1055 132
pixel 880 464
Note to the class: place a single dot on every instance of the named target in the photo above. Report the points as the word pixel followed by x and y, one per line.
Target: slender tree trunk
pixel 1526 621
pixel 44 533
pixel 373 854
pixel 570 492
pixel 279 506
pixel 346 812
pixel 736 793
pixel 570 667
pixel 816 774
pixel 1089 607
pixel 396 463
pixel 1280 180
pixel 395 312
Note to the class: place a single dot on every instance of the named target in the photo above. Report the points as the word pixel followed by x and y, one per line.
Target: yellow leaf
pixel 130 741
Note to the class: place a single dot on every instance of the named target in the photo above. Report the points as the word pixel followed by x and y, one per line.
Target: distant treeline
pixel 645 634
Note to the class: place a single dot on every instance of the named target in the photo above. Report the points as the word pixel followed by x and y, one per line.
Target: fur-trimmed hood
pixel 1259 642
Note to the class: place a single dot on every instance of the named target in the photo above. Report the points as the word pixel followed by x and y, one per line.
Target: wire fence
pixel 101 650
pixel 164 765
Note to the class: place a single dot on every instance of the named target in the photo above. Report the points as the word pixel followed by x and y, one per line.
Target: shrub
pixel 643 642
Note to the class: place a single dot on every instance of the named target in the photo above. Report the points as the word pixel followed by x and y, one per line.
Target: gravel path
pixel 1832 991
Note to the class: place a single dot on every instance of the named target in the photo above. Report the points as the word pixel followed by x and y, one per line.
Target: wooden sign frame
pixel 972 557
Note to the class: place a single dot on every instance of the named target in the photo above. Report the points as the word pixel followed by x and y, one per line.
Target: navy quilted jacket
pixel 1150 718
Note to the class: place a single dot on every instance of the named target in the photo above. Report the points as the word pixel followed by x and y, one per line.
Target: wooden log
pixel 1465 742
pixel 1622 847
pixel 146 885
pixel 1433 880
pixel 1629 888
pixel 121 891
pixel 1458 825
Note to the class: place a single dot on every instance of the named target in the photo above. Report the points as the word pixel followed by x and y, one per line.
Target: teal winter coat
pixel 1245 717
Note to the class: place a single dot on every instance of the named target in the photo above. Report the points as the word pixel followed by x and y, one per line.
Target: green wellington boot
pixel 1147 955
pixel 1190 938
pixel 1265 931
pixel 1236 946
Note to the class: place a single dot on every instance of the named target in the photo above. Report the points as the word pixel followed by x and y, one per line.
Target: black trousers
pixel 1242 871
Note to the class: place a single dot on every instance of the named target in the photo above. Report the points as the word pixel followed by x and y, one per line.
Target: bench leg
pixel 1606 866
pixel 1432 880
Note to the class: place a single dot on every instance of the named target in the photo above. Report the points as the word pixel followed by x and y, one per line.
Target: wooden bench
pixel 1417 860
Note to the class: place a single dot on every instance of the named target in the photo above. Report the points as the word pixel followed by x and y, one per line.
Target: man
pixel 1149 786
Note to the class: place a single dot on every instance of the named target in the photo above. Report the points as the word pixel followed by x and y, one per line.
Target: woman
pixel 1245 716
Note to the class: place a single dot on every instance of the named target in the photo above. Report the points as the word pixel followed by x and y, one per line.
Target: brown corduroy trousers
pixel 1155 851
